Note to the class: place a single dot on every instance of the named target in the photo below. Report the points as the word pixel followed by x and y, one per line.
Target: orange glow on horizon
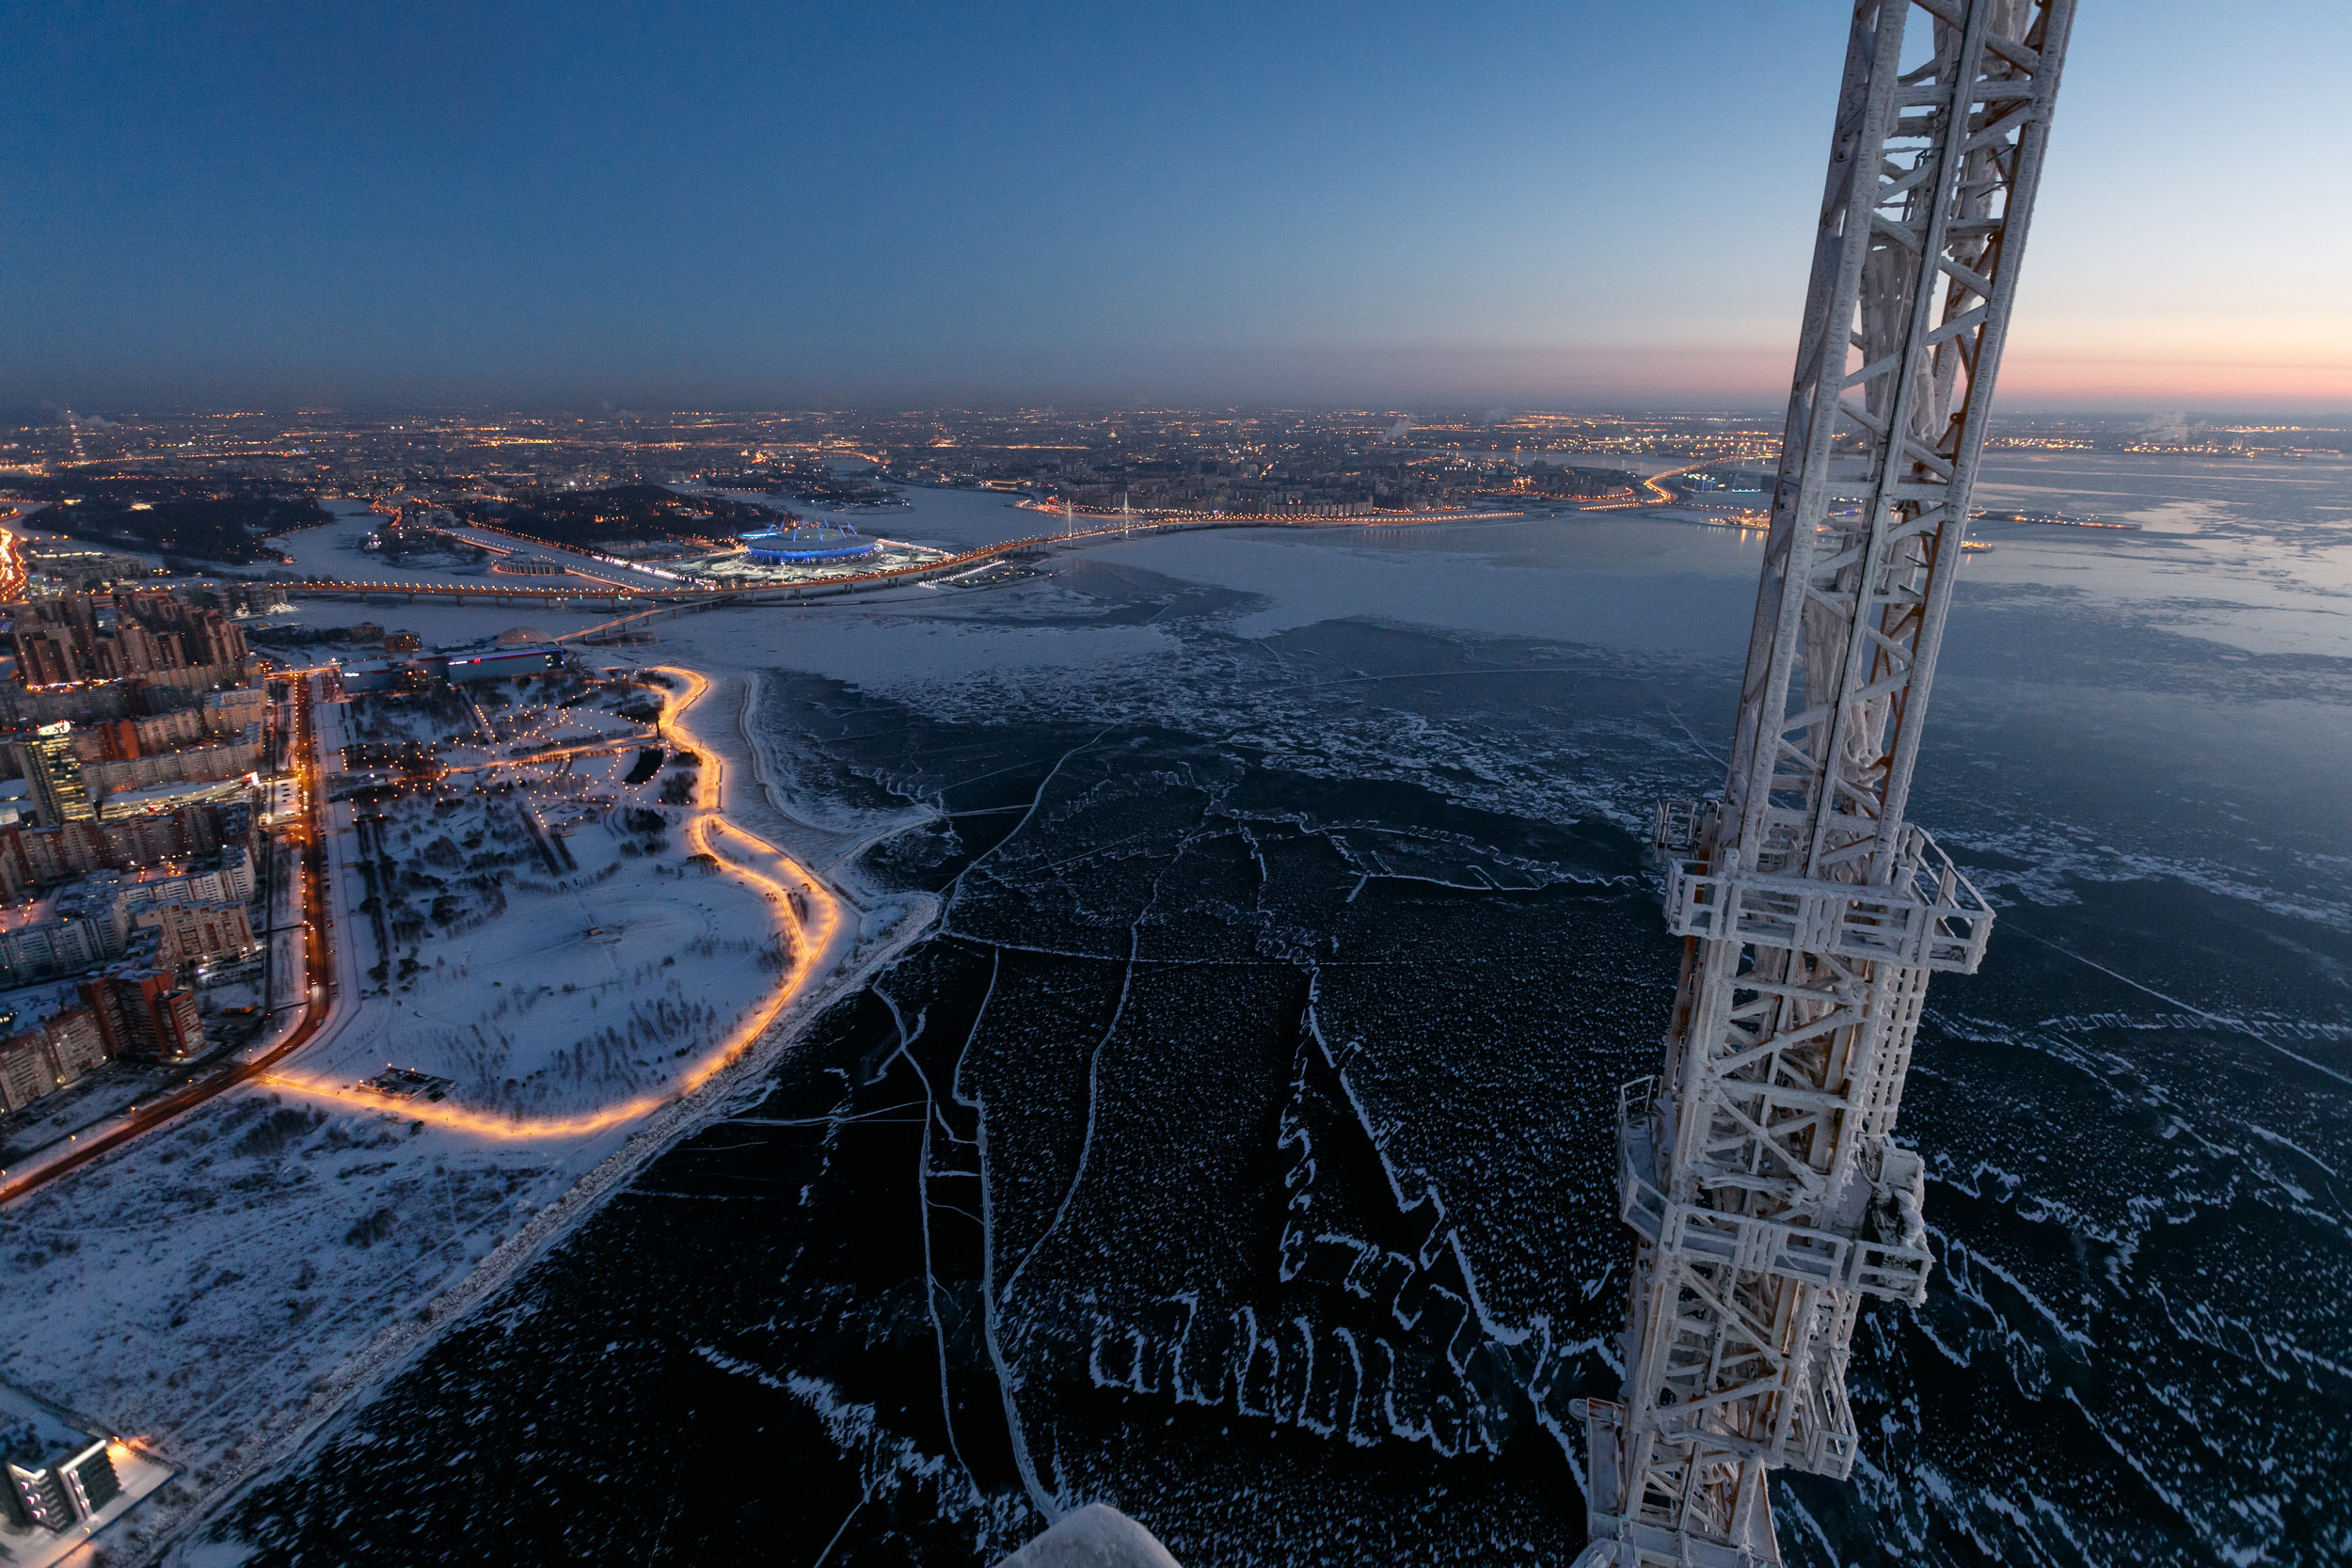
pixel 2222 381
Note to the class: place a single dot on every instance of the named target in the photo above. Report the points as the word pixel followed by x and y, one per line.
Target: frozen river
pixel 957 520
pixel 1237 1149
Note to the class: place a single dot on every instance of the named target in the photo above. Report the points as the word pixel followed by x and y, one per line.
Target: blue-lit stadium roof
pixel 809 544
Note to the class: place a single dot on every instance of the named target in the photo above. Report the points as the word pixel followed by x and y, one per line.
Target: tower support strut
pixel 1757 1170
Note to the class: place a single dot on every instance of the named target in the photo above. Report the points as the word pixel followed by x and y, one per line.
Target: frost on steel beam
pixel 1757 1171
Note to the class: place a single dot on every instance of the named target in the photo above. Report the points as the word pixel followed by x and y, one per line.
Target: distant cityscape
pixel 145 736
pixel 214 487
pixel 236 822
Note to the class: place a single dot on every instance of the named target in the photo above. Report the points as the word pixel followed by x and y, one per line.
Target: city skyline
pixel 789 208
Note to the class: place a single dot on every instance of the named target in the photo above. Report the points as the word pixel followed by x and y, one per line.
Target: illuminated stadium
pixel 809 544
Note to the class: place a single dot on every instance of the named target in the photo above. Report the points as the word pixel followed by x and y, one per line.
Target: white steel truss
pixel 1757 1170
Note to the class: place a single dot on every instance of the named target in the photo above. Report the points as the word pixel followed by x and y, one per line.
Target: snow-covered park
pixel 550 939
pixel 540 936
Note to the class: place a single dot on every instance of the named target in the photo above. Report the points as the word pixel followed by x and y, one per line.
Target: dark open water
pixel 1237 1151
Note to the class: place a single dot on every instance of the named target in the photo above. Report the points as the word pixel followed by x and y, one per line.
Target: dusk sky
pixel 714 206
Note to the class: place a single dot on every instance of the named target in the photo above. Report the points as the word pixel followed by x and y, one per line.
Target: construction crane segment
pixel 1757 1171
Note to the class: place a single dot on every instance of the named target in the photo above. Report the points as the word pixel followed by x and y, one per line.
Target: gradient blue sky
pixel 704 205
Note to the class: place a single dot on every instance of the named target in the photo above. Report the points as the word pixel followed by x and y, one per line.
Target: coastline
pixel 845 959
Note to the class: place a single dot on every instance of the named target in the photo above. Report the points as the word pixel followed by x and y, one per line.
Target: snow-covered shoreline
pixel 210 1360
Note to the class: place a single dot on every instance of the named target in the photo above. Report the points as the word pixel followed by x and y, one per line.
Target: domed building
pixel 808 542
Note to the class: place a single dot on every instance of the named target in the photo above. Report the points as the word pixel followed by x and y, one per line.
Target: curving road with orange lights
pixel 1659 495
pixel 808 914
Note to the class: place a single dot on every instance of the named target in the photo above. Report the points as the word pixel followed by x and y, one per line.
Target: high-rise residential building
pixel 217 640
pixel 45 1055
pixel 45 758
pixel 142 1012
pixel 35 857
pixel 25 1074
pixel 229 711
pixel 139 655
pixel 42 659
pixel 186 932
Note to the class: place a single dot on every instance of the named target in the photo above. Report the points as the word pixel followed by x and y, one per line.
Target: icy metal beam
pixel 1757 1170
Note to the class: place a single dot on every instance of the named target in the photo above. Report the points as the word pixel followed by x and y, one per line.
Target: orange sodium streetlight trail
pixel 810 942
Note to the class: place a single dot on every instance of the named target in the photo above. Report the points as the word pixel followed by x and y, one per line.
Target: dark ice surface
pixel 1237 1149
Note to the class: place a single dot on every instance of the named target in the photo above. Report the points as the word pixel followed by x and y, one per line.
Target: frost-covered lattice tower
pixel 1757 1170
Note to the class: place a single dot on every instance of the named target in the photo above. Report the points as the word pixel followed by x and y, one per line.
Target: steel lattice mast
pixel 1757 1170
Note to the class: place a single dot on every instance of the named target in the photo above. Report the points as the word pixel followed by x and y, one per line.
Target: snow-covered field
pixel 564 952
pixel 189 1290
pixel 553 946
